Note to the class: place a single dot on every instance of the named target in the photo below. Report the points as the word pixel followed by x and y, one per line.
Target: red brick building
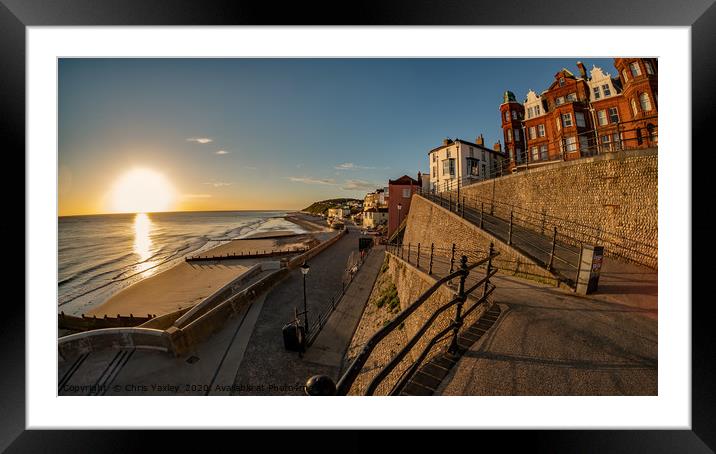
pixel 400 192
pixel 579 116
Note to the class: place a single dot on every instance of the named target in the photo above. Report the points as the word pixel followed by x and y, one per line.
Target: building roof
pixel 472 144
pixel 404 180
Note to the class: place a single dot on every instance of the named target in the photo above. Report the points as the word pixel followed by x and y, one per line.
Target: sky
pixel 271 134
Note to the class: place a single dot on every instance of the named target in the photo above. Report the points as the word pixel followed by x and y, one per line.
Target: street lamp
pixel 304 270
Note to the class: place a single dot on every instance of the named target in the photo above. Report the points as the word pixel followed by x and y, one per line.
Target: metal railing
pixel 322 385
pixel 320 322
pixel 552 251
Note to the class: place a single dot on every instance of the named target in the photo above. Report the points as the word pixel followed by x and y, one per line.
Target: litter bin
pixel 590 265
pixel 294 337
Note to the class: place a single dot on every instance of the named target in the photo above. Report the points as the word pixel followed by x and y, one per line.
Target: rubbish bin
pixel 294 337
pixel 590 265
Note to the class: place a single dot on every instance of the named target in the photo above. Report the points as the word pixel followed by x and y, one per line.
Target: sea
pixel 100 255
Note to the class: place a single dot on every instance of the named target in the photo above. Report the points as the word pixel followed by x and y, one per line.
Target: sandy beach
pixel 187 283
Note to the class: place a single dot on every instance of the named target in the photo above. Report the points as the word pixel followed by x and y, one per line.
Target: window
pixel 635 70
pixel 517 135
pixel 472 167
pixel 507 115
pixel 567 119
pixel 484 171
pixel 559 123
pixel 435 171
pixel 471 153
pixel 602 117
pixel 605 89
pixel 579 118
pixel 651 131
pixel 543 152
pixel 518 152
pixel 535 154
pixel 597 94
pixel 514 115
pixel 649 68
pixel 435 157
pixel 624 75
pixel 449 167
pixel 571 97
pixel 561 81
pixel 633 107
pixel 509 135
pixel 533 132
pixel 571 143
pixel 529 112
pixel 616 140
pixel 584 144
pixel 613 115
pixel 537 110
pixel 449 154
pixel 540 130
pixel 645 102
pixel 406 193
pixel 559 101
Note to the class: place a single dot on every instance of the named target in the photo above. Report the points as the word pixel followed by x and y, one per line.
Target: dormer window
pixel 635 70
pixel 537 110
pixel 529 112
pixel 561 81
pixel 649 68
pixel 605 89
pixel 597 94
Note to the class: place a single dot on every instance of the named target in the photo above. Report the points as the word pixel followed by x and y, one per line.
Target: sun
pixel 141 191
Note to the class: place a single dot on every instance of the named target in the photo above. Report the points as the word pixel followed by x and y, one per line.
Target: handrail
pixel 401 354
pixel 349 377
pixel 409 373
pixel 354 369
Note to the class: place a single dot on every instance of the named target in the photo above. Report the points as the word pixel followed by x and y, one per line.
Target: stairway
pixel 432 373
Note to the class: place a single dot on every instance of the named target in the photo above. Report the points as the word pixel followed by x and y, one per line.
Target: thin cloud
pixel 201 140
pixel 359 185
pixel 308 180
pixel 196 196
pixel 352 166
pixel 218 184
pixel 222 152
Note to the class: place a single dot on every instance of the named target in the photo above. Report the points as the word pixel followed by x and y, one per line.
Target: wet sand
pixel 188 283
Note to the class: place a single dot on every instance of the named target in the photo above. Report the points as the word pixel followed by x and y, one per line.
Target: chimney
pixel 480 141
pixel 582 70
pixel 447 141
pixel 420 177
pixel 497 147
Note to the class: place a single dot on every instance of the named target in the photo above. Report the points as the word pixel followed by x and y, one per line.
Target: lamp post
pixel 304 270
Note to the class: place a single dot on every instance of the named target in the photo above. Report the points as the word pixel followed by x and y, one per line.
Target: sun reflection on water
pixel 143 243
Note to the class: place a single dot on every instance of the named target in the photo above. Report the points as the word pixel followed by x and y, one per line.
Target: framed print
pixel 414 216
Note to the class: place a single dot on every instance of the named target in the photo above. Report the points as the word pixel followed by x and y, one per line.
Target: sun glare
pixel 141 191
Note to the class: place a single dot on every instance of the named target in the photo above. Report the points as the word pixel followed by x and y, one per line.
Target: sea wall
pixel 429 223
pixel 613 197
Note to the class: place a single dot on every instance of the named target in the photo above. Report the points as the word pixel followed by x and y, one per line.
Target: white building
pixel 463 161
pixel 373 217
pixel 339 213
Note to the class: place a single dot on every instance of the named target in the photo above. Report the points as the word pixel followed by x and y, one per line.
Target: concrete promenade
pixel 267 367
pixel 550 341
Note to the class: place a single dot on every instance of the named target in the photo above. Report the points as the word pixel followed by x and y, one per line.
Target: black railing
pixel 325 384
pixel 335 299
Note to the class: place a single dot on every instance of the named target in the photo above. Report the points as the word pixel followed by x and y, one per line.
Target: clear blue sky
pixel 291 130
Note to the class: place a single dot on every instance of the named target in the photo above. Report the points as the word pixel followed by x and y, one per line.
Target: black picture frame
pixel 16 15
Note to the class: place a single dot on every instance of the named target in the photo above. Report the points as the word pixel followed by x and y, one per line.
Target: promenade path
pixel 550 341
pixel 267 367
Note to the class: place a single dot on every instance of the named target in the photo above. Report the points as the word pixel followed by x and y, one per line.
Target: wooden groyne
pixel 86 323
pixel 254 254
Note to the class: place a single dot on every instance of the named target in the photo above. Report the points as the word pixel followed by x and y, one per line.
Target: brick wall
pixel 611 199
